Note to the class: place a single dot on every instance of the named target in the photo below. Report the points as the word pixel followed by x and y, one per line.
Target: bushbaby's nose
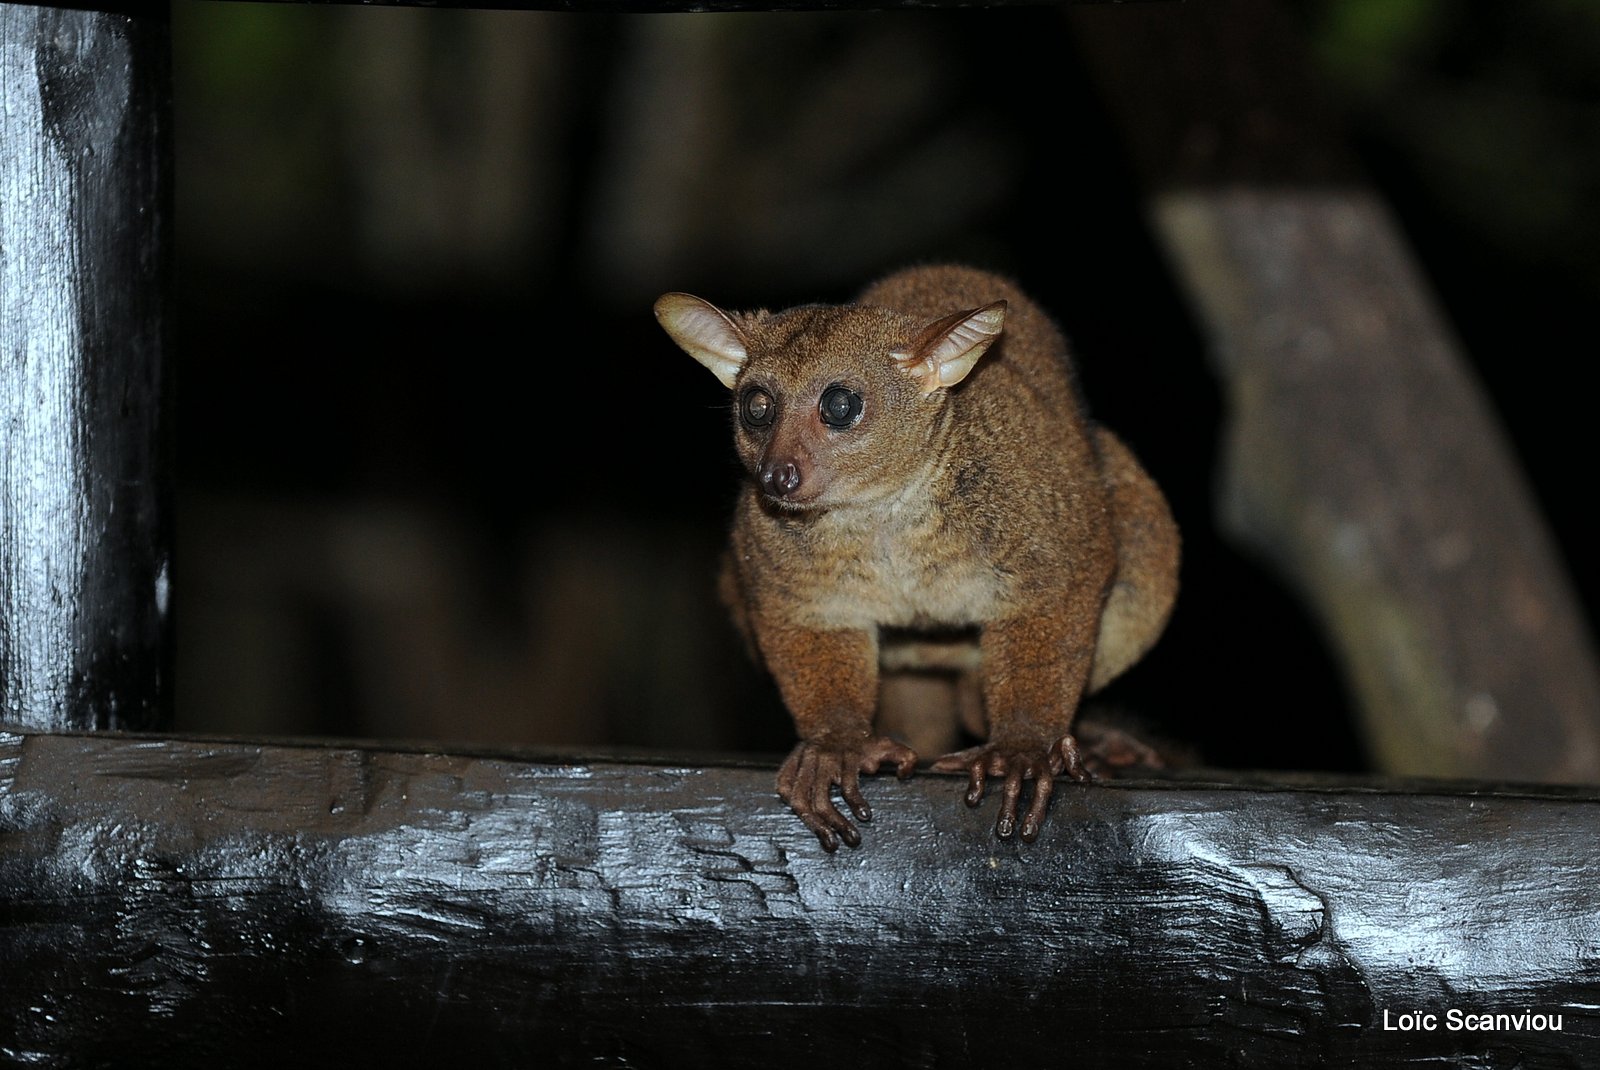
pixel 780 478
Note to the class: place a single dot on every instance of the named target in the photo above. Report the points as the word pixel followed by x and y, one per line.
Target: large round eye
pixel 756 407
pixel 840 407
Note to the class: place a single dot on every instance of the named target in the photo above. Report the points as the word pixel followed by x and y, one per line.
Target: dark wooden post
pixel 85 547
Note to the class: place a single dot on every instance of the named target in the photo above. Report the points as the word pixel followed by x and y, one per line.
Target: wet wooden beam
pixel 180 902
pixel 85 517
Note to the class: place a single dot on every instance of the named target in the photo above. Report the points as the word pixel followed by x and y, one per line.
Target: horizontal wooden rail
pixel 181 902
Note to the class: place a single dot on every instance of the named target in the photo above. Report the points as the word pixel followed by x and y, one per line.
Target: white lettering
pixel 1523 1021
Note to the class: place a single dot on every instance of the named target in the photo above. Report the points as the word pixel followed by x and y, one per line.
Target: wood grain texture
pixel 84 515
pixel 171 902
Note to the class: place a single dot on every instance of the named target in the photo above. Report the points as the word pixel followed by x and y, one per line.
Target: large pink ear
pixel 704 332
pixel 947 348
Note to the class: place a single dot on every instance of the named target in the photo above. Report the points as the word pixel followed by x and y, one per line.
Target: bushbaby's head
pixel 833 405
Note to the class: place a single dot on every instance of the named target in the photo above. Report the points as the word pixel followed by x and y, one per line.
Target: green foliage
pixel 1369 42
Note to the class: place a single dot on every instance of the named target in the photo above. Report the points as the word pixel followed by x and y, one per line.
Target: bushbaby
pixel 927 491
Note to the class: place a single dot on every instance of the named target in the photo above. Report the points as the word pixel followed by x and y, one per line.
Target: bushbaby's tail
pixel 1146 582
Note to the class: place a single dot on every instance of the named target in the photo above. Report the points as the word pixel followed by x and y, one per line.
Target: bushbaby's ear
pixel 704 332
pixel 947 348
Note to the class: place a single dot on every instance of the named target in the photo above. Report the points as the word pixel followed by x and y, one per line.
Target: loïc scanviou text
pixel 1457 1021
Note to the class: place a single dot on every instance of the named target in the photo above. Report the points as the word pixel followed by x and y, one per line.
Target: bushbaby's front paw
pixel 1017 761
pixel 815 767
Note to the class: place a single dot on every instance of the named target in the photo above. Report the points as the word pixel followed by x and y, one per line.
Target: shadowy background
pixel 442 477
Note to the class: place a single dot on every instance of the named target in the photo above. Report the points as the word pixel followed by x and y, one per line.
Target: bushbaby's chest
pixel 917 576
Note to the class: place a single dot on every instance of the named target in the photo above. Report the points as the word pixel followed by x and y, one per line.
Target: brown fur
pixel 991 508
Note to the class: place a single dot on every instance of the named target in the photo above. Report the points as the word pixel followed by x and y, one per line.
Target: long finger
pixel 883 750
pixel 850 788
pixel 830 842
pixel 905 762
pixel 957 762
pixel 786 778
pixel 795 778
pixel 822 806
pixel 1065 757
pixel 1043 786
pixel 1006 824
pixel 975 782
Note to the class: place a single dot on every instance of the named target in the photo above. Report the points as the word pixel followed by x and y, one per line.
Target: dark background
pixel 442 477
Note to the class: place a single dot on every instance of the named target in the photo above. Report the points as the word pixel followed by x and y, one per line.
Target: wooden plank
pixel 180 902
pixel 85 519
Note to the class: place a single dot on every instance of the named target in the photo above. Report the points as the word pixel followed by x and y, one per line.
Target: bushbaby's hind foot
pixel 1110 752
